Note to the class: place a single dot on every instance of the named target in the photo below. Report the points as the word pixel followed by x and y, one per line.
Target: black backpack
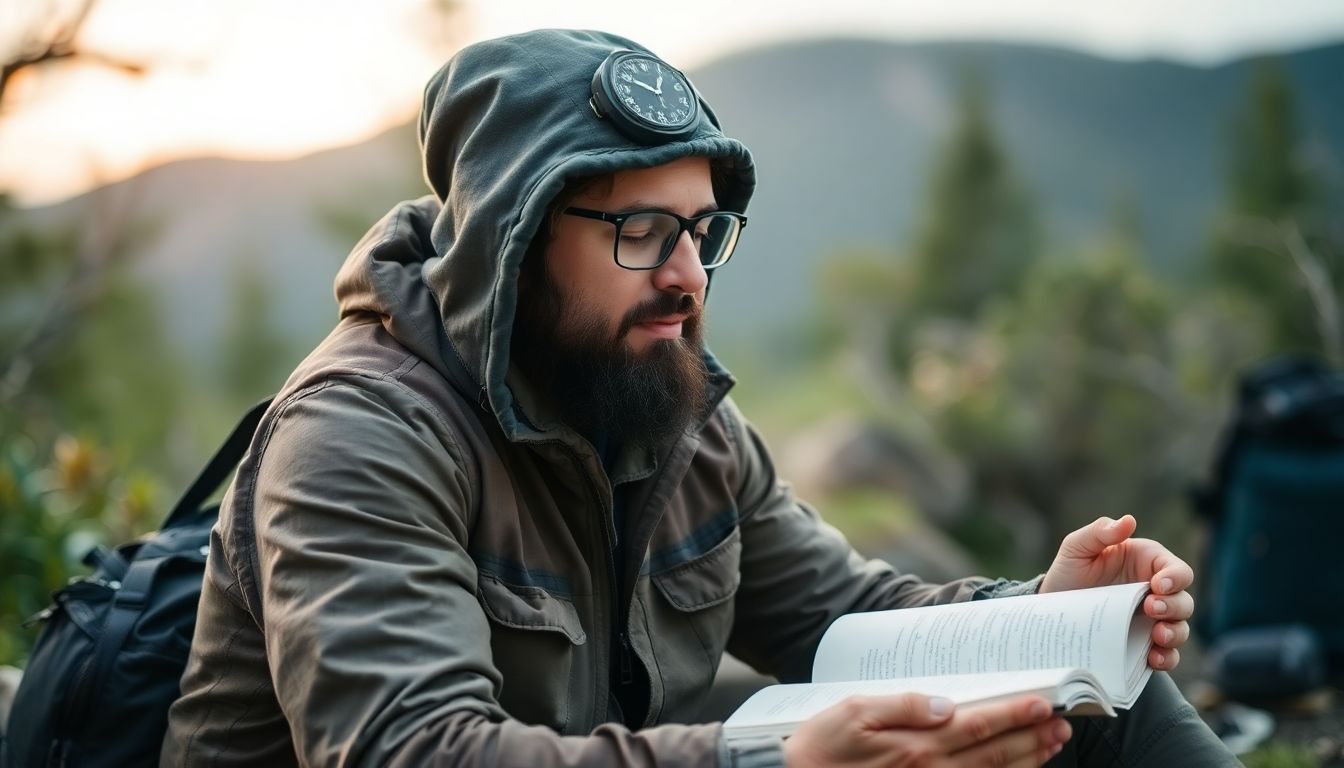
pixel 1275 507
pixel 110 658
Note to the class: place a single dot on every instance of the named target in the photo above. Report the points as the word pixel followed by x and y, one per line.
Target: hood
pixel 504 125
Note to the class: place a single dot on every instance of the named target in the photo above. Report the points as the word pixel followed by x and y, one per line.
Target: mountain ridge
pixel 844 132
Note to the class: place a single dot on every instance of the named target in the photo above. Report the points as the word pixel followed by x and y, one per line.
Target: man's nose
pixel 682 270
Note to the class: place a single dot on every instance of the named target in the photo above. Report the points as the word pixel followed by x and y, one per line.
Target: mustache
pixel 662 305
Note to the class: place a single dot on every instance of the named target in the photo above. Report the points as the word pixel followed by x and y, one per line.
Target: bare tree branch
pixel 1285 238
pixel 1322 293
pixel 107 241
pixel 61 46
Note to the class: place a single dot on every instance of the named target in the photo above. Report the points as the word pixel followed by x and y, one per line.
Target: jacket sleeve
pixel 377 646
pixel 799 574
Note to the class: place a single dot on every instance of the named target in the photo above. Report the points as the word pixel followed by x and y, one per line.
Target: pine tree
pixel 977 237
pixel 1269 249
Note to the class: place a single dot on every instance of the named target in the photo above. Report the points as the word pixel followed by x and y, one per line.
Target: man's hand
pixel 910 729
pixel 1103 553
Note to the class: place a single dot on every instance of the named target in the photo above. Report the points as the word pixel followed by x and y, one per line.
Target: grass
pixel 1280 755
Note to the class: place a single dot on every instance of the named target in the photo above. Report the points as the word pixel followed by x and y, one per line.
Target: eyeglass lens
pixel 648 238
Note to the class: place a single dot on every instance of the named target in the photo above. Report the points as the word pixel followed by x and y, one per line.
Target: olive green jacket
pixel 416 562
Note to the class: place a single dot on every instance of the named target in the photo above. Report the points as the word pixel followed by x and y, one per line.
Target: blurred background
pixel 1004 266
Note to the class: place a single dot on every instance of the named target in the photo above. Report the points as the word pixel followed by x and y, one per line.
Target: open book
pixel 1086 651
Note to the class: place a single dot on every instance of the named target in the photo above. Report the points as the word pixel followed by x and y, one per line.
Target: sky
pixel 269 80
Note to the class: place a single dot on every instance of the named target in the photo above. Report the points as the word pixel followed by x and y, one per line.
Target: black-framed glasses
pixel 645 239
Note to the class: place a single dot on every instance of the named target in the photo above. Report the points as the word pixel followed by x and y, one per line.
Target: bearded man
pixel 507 514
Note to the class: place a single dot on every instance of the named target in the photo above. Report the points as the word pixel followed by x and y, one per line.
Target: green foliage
pixel 1079 384
pixel 83 340
pixel 1266 175
pixel 1064 402
pixel 1280 755
pixel 88 391
pixel 1274 248
pixel 977 236
pixel 58 501
pixel 869 515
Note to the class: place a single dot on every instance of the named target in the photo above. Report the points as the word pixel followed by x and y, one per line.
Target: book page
pixel 778 709
pixel 1087 628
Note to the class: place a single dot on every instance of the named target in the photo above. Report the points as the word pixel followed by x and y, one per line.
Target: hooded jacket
pixel 416 564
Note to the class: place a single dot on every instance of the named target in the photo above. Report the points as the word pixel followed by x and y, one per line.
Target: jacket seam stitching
pixel 205 716
pixel 450 432
pixel 248 516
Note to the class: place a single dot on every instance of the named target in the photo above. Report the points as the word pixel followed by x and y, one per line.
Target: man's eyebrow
pixel 648 205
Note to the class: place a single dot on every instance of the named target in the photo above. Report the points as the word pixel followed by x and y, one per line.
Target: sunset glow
pixel 252 79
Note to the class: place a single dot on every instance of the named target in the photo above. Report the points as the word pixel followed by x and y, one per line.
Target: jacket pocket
pixel 705 581
pixel 690 625
pixel 530 608
pixel 534 640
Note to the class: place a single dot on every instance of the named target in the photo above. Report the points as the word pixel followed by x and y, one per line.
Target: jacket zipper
pixel 624 652
pixel 627 672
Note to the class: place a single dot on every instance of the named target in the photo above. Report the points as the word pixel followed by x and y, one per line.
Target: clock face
pixel 652 92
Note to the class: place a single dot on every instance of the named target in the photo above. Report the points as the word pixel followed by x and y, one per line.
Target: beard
pixel 597 382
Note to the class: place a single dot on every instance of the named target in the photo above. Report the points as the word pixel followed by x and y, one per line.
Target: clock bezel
pixel 606 104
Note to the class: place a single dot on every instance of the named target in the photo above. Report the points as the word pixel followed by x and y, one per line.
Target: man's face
pixel 641 307
pixel 617 350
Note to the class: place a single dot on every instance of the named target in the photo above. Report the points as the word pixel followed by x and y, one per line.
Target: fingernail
pixel 1062 731
pixel 939 706
pixel 1166 585
pixel 1113 524
pixel 1040 710
pixel 1055 750
pixel 1160 606
pixel 1167 635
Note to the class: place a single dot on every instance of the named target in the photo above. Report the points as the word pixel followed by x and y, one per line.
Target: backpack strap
pixel 127 604
pixel 221 465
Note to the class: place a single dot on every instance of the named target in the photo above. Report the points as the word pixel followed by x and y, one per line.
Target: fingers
pixel 1092 539
pixel 1164 659
pixel 1177 607
pixel 1023 746
pixel 975 724
pixel 1171 574
pixel 1171 634
pixel 908 710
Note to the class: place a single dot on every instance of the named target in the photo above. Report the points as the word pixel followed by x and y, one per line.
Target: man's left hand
pixel 1103 553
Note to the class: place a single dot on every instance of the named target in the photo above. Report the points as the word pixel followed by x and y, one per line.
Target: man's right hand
pixel 912 730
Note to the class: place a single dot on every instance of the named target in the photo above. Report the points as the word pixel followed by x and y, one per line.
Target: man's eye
pixel 636 237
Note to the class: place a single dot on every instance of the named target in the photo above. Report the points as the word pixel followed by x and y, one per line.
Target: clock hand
pixel 644 85
pixel 659 84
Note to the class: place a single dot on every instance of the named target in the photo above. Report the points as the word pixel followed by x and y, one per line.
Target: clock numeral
pixel 626 76
pixel 684 102
pixel 644 66
pixel 676 86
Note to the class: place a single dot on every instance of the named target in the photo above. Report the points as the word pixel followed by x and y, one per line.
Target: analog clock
pixel 647 99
